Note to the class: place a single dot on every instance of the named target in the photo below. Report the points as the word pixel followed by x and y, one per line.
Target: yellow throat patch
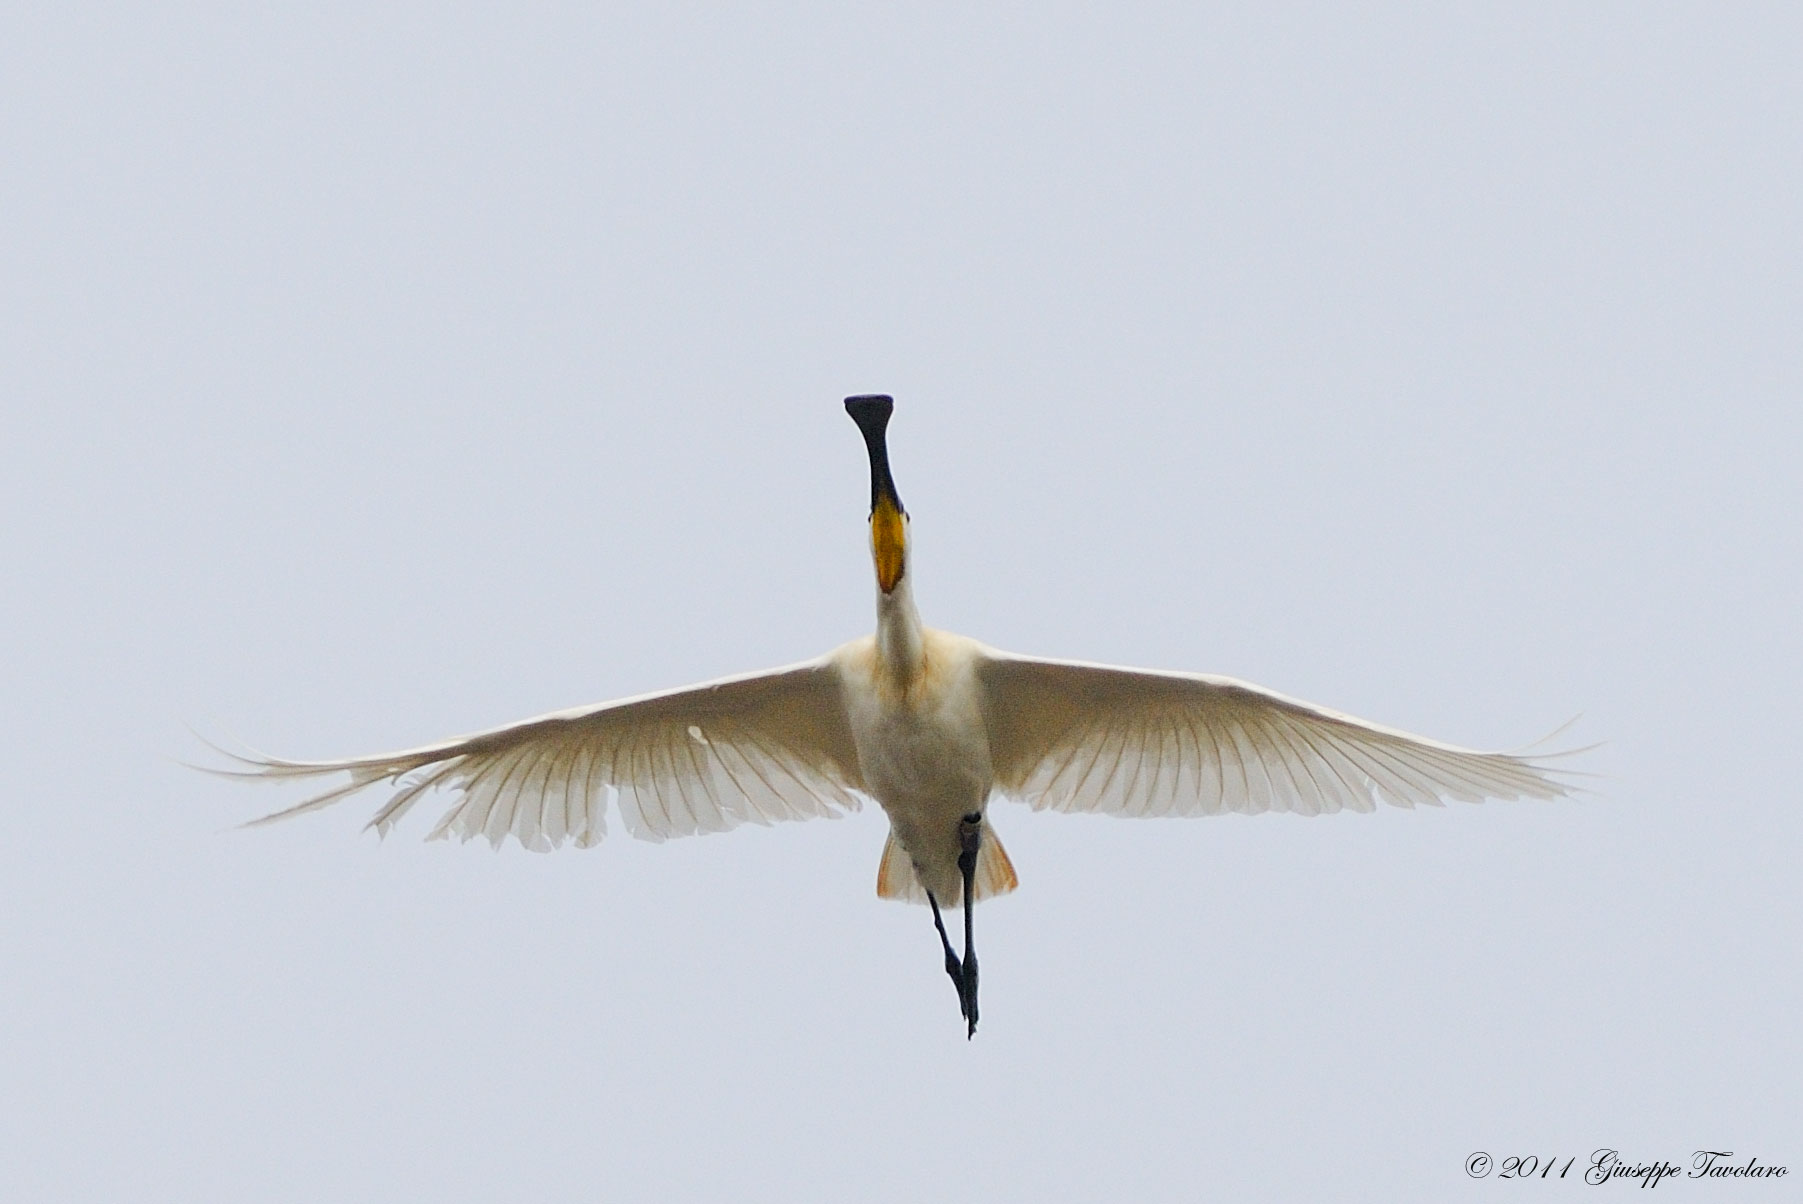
pixel 888 541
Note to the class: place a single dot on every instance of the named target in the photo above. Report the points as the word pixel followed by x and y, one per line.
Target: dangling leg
pixel 970 839
pixel 953 966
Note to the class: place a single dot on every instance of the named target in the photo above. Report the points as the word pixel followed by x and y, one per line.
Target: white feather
pixel 777 748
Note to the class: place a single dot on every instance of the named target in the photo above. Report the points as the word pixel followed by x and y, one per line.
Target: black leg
pixel 953 966
pixel 970 839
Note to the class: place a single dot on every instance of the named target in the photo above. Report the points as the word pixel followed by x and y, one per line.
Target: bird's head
pixel 888 520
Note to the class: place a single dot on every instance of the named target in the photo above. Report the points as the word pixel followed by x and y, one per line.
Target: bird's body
pixel 923 753
pixel 931 725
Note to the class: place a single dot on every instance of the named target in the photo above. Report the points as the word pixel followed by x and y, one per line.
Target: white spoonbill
pixel 932 726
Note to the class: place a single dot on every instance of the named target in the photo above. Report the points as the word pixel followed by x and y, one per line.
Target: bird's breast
pixel 923 743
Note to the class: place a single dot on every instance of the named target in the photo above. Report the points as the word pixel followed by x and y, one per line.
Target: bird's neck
pixel 899 643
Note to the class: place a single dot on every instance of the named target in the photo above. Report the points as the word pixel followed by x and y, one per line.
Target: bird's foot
pixel 967 995
pixel 955 969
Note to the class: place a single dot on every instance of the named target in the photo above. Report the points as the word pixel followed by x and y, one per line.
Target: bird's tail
pixel 895 877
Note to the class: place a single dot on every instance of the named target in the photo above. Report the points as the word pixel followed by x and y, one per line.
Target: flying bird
pixel 934 727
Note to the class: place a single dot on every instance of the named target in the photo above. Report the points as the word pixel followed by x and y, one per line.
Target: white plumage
pixel 704 759
pixel 765 747
pixel 932 726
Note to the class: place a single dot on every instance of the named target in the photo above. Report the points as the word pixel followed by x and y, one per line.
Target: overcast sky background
pixel 372 377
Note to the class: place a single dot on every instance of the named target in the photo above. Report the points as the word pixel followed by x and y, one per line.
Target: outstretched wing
pixel 762 747
pixel 1067 736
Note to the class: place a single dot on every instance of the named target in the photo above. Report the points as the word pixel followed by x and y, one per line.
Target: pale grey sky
pixel 374 376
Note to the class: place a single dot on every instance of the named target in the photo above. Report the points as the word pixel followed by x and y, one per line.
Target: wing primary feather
pixel 1535 780
pixel 707 772
pixel 1153 800
pixel 357 782
pixel 260 765
pixel 1151 764
pixel 1169 774
pixel 1458 777
pixel 515 812
pixel 1257 796
pixel 1405 774
pixel 1304 798
pixel 592 820
pixel 553 802
pixel 497 817
pixel 1459 774
pixel 1355 791
pixel 1106 739
pixel 1528 748
pixel 1299 761
pixel 576 799
pixel 665 781
pixel 750 801
pixel 731 813
pixel 1116 745
pixel 629 780
pixel 1072 749
pixel 755 758
pixel 1374 778
pixel 777 763
pixel 1136 735
pixel 1274 798
pixel 1383 782
pixel 576 794
pixel 1335 793
pixel 475 771
pixel 1198 731
pixel 671 786
pixel 1190 765
pixel 689 801
pixel 1271 764
pixel 1231 798
pixel 478 794
pixel 687 789
pixel 653 812
pixel 1082 758
pixel 653 783
pixel 403 800
pixel 554 818
pixel 528 824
